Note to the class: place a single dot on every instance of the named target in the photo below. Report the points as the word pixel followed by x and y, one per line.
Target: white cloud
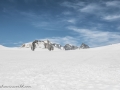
pixel 67 13
pixel 20 42
pixel 68 4
pixel 74 5
pixel 118 27
pixel 73 21
pixel 63 40
pixel 49 25
pixel 91 37
pixel 91 8
pixel 43 21
pixel 81 6
pixel 97 38
pixel 30 15
pixel 113 3
pixel 111 17
pixel 97 9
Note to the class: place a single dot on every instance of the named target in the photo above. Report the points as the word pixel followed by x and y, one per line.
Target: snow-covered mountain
pixel 55 45
pixel 41 45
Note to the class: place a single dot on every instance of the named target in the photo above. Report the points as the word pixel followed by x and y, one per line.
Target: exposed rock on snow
pixel 57 45
pixel 42 45
pixel 84 46
pixel 49 45
pixel 70 47
pixel 27 45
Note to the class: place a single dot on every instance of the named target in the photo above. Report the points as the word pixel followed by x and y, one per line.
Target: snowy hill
pixel 84 69
pixel 3 47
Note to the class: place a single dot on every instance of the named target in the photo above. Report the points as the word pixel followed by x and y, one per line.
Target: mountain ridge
pixel 55 45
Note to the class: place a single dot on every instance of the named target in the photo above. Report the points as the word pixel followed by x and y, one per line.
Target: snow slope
pixel 3 47
pixel 84 69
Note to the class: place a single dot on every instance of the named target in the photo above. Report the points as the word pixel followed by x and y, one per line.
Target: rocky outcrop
pixel 34 43
pixel 43 44
pixel 84 46
pixel 70 47
pixel 27 45
pixel 57 45
pixel 46 44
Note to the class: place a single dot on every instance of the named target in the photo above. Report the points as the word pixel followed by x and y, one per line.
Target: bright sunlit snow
pixel 84 69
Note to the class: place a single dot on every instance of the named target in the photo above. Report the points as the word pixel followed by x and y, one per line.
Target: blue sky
pixel 94 22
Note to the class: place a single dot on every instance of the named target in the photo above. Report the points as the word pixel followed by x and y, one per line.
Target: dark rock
pixel 23 45
pixel 34 45
pixel 70 47
pixel 48 45
pixel 84 46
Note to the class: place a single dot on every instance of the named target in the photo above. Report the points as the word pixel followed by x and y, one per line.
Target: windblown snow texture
pixel 84 69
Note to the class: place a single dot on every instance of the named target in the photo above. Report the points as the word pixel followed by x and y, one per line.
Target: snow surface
pixel 84 69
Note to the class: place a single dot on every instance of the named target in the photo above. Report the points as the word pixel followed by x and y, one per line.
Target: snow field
pixel 85 69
